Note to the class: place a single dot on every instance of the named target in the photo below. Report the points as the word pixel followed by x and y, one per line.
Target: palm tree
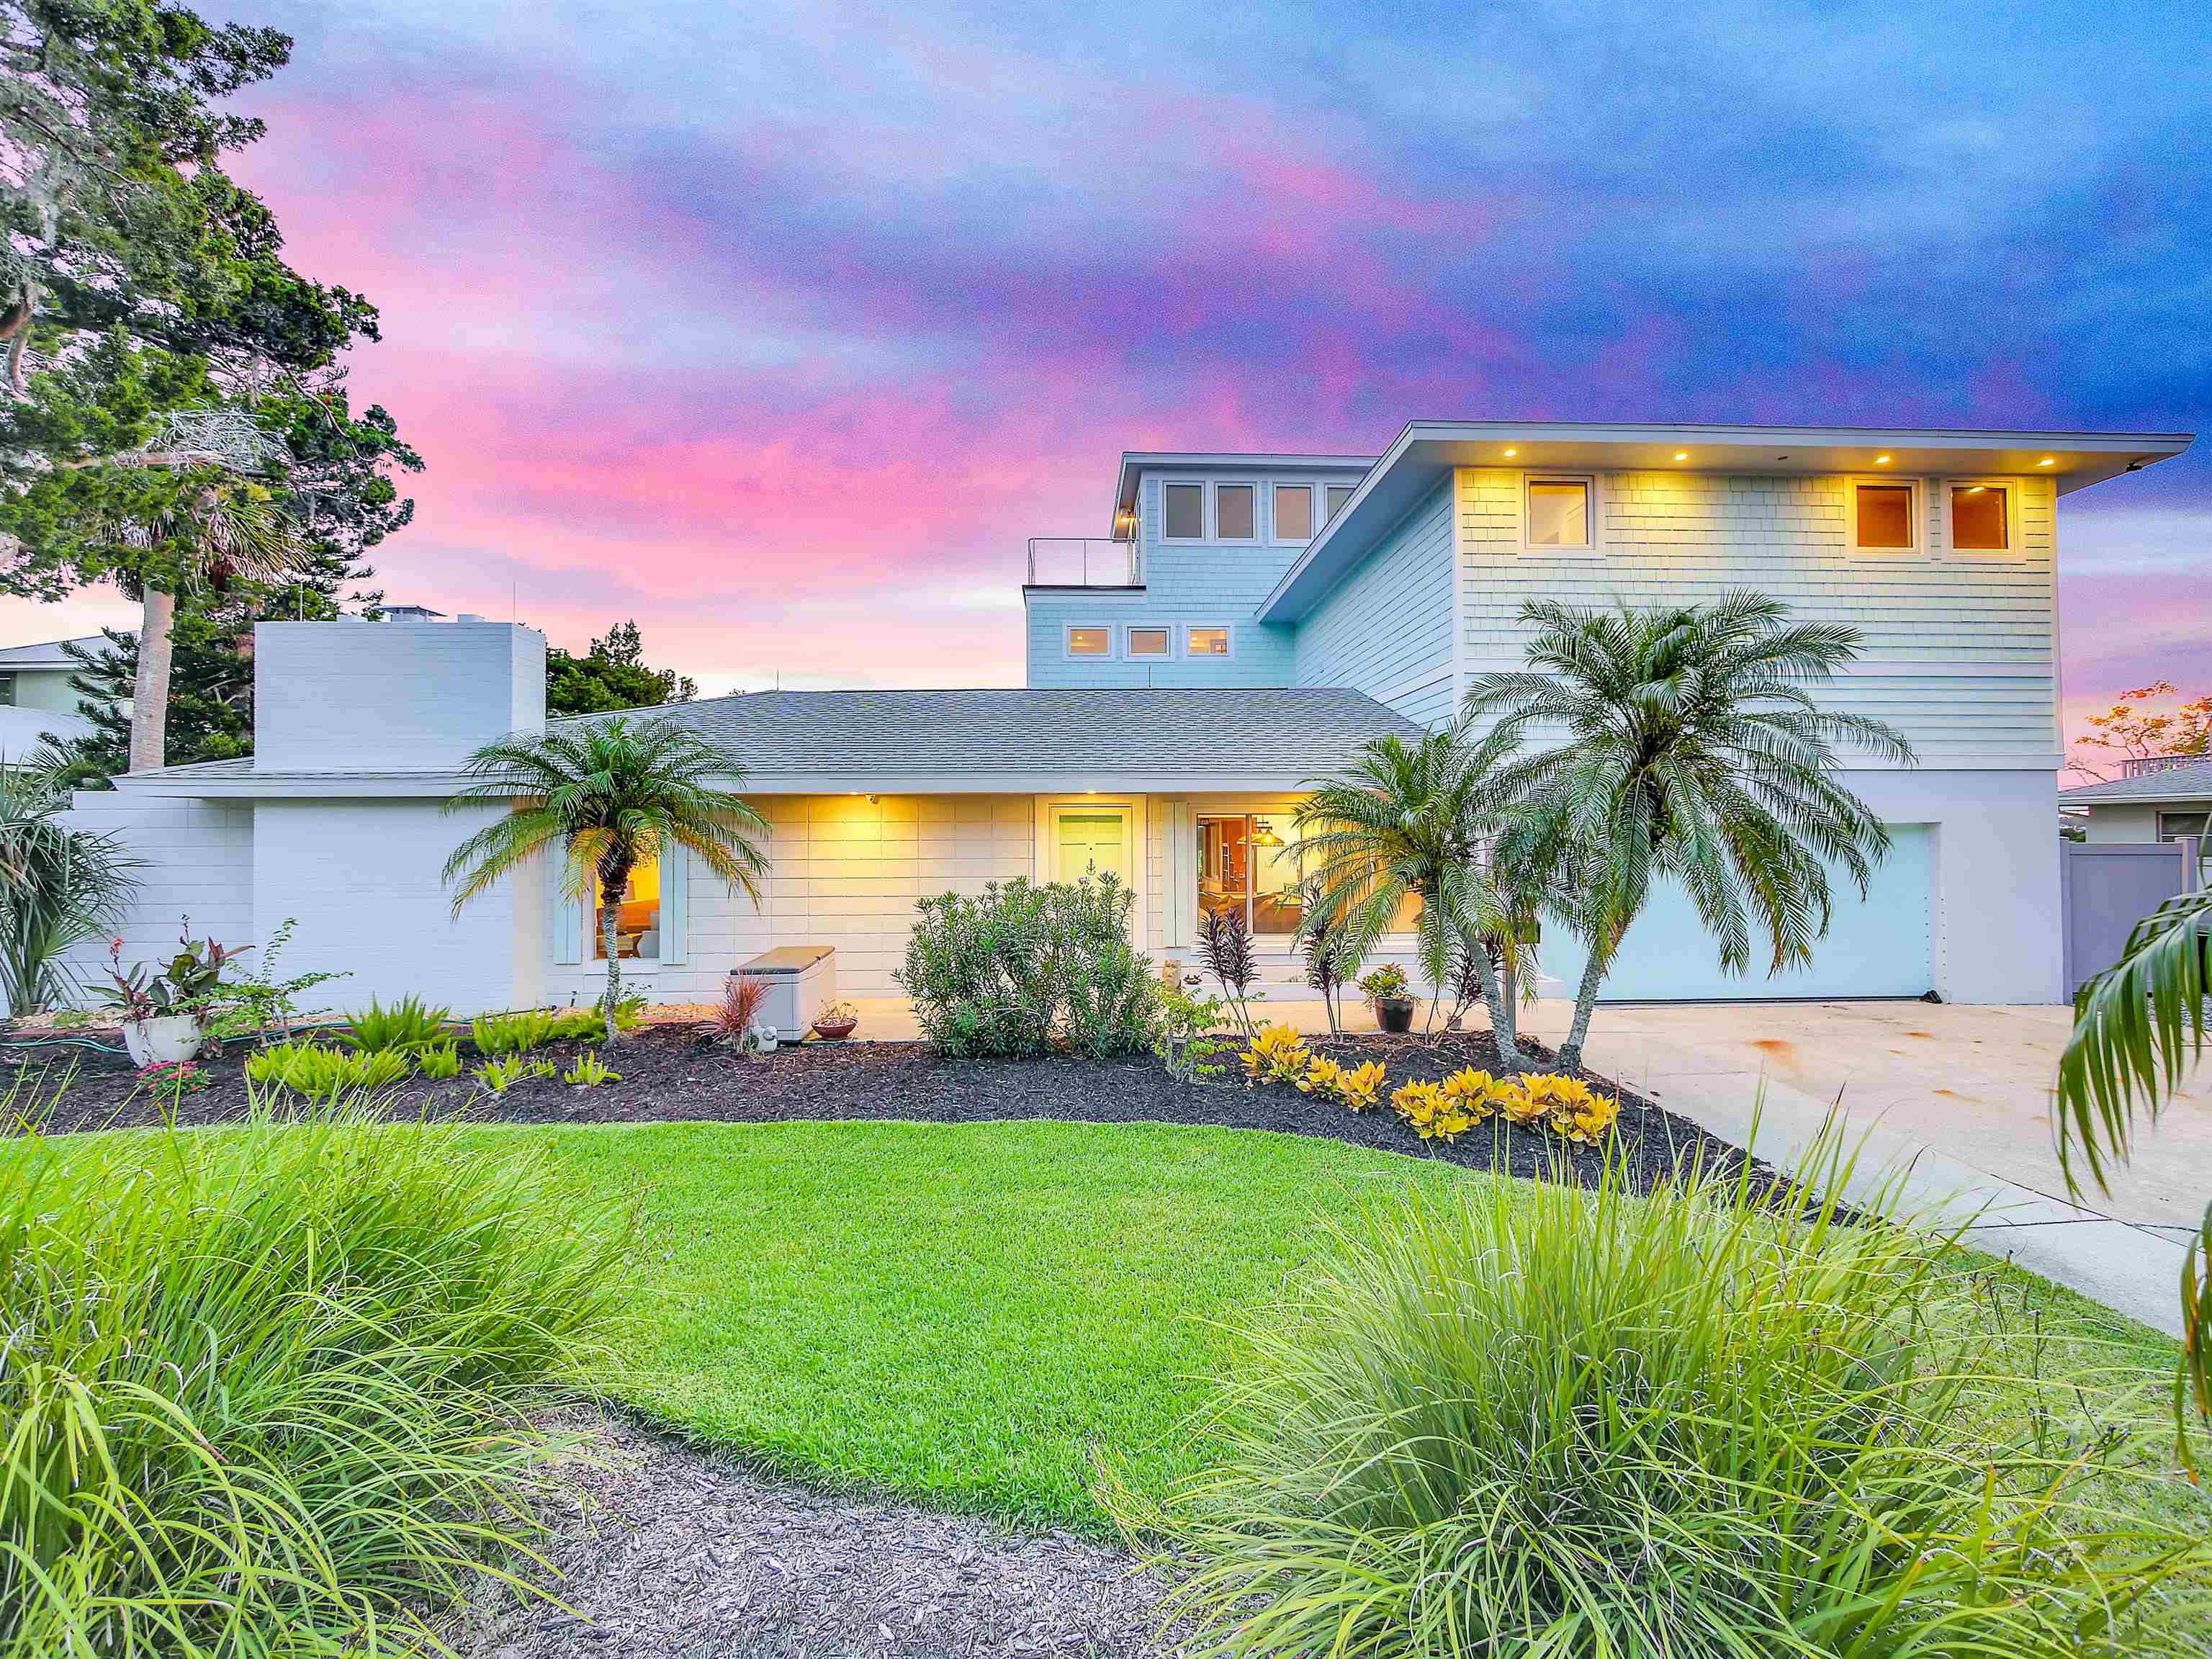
pixel 611 795
pixel 1411 820
pixel 2138 1027
pixel 199 527
pixel 58 886
pixel 1692 749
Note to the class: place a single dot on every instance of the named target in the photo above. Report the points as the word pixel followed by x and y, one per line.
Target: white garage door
pixel 1880 946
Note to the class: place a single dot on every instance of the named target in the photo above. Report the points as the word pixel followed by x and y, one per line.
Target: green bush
pixel 1530 1419
pixel 515 1034
pixel 1008 971
pixel 322 1073
pixel 264 1389
pixel 407 1024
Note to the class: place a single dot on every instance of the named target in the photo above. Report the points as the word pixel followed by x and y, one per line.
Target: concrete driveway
pixel 1964 1093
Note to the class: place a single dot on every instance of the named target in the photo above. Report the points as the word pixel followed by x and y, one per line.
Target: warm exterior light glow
pixel 1976 489
pixel 1681 454
pixel 2048 460
pixel 1510 454
pixel 1882 460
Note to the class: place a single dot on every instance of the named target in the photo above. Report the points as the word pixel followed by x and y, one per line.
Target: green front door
pixel 1089 841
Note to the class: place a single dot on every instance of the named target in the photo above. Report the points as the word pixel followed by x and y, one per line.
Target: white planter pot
pixel 162 1042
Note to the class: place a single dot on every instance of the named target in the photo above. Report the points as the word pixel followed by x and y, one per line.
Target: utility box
pixel 802 981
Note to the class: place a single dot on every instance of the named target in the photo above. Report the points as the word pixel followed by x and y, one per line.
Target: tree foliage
pixel 611 677
pixel 2131 731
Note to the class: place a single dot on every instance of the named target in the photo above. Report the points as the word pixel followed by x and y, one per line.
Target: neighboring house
pixel 2165 798
pixel 1251 621
pixel 36 697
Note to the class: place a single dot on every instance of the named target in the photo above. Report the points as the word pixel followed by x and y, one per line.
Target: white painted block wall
pixel 197 862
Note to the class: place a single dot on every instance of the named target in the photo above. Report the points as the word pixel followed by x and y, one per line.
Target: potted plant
pixel 837 1021
pixel 1390 996
pixel 164 1014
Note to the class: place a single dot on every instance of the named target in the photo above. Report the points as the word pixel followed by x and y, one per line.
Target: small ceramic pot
pixel 834 1030
pixel 163 1040
pixel 1394 1013
pixel 764 1039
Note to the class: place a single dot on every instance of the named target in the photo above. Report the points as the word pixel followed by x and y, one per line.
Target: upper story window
pixel 1236 512
pixel 1981 518
pixel 1184 506
pixel 1340 497
pixel 1090 641
pixel 1561 512
pixel 1148 642
pixel 1294 513
pixel 1206 642
pixel 1883 513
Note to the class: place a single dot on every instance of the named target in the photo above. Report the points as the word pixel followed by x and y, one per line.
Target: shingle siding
pixel 1960 650
pixel 1386 628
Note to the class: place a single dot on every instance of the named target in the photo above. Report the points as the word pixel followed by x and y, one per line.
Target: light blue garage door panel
pixel 1880 946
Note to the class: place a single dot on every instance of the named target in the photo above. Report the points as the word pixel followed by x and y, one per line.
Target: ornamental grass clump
pixel 266 1390
pixel 1525 1419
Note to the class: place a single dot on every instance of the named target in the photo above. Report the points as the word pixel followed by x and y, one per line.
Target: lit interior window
pixel 1979 522
pixel 1090 641
pixel 1558 512
pixel 1885 515
pixel 636 918
pixel 1208 642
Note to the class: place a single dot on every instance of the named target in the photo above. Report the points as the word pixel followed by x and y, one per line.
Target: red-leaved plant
pixel 732 1023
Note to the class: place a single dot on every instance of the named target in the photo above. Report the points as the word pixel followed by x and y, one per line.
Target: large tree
pixel 611 676
pixel 1691 747
pixel 140 280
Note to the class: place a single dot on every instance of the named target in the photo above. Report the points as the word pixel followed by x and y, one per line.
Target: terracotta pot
pixel 164 1040
pixel 1394 1013
pixel 834 1030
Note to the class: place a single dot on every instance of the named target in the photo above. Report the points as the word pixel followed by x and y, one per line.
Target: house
pixel 1249 620
pixel 2163 797
pixel 36 697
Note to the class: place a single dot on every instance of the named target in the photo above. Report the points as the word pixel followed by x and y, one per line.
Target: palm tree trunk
pixel 149 692
pixel 613 883
pixel 1504 1022
pixel 1571 1051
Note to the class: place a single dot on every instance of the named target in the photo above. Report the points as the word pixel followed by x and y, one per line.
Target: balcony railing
pixel 2138 766
pixel 1075 562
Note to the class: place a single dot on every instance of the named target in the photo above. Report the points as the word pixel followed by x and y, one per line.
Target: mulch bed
pixel 669 1076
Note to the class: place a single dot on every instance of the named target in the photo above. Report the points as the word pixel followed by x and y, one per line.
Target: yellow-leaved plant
pixel 1357 1088
pixel 1278 1055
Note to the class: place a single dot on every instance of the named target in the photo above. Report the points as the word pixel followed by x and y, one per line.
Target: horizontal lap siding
pixel 1959 649
pixel 196 862
pixel 1386 628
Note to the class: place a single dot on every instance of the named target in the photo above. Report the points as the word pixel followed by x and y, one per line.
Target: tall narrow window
pixel 1981 521
pixel 1090 641
pixel 7 690
pixel 1208 642
pixel 1234 512
pixel 1294 513
pixel 1884 516
pixel 636 917
pixel 1558 512
pixel 1340 497
pixel 1186 512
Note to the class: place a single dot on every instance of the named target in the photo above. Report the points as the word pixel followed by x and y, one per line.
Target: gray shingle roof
pixel 1191 733
pixel 2191 782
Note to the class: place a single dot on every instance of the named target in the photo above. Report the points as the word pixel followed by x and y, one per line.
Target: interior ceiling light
pixel 1510 454
pixel 1681 454
pixel 2048 460
pixel 1882 460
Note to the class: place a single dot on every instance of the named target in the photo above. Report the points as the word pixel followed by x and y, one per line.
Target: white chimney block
pixel 351 693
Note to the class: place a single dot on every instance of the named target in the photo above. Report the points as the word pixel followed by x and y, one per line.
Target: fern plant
pixel 439 1060
pixel 589 1071
pixel 408 1024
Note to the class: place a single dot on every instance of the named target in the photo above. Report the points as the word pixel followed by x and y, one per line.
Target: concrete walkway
pixel 1959 1096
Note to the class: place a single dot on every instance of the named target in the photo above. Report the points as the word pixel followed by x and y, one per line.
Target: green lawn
pixel 974 1315
pixel 965 1314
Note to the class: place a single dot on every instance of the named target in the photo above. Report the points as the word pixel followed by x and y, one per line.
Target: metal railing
pixel 2136 766
pixel 1081 562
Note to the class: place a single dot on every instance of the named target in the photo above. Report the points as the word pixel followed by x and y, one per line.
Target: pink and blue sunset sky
pixel 780 327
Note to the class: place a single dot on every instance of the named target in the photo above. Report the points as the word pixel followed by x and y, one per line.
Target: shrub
pixel 519 1033
pixel 1225 945
pixel 497 1076
pixel 324 1073
pixel 406 1025
pixel 733 1022
pixel 1008 971
pixel 1385 984
pixel 1355 1088
pixel 266 1389
pixel 589 1071
pixel 578 1025
pixel 1434 1114
pixel 1569 1106
pixel 1522 1418
pixel 439 1060
pixel 1183 1034
pixel 1278 1055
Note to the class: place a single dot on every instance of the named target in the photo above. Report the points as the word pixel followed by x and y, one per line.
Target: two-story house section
pixel 1173 598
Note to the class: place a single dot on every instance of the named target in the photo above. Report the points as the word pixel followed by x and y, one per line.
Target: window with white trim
pixel 1981 516
pixel 1088 642
pixel 1236 512
pixel 1561 512
pixel 1206 642
pixel 1294 513
pixel 1340 497
pixel 1150 642
pixel 1182 507
pixel 1883 517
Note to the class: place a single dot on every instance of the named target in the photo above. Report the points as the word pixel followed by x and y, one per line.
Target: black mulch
pixel 669 1076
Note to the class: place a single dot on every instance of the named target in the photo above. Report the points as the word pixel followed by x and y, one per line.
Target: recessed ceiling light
pixel 1681 454
pixel 1976 489
pixel 2048 460
pixel 1882 460
pixel 1510 454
